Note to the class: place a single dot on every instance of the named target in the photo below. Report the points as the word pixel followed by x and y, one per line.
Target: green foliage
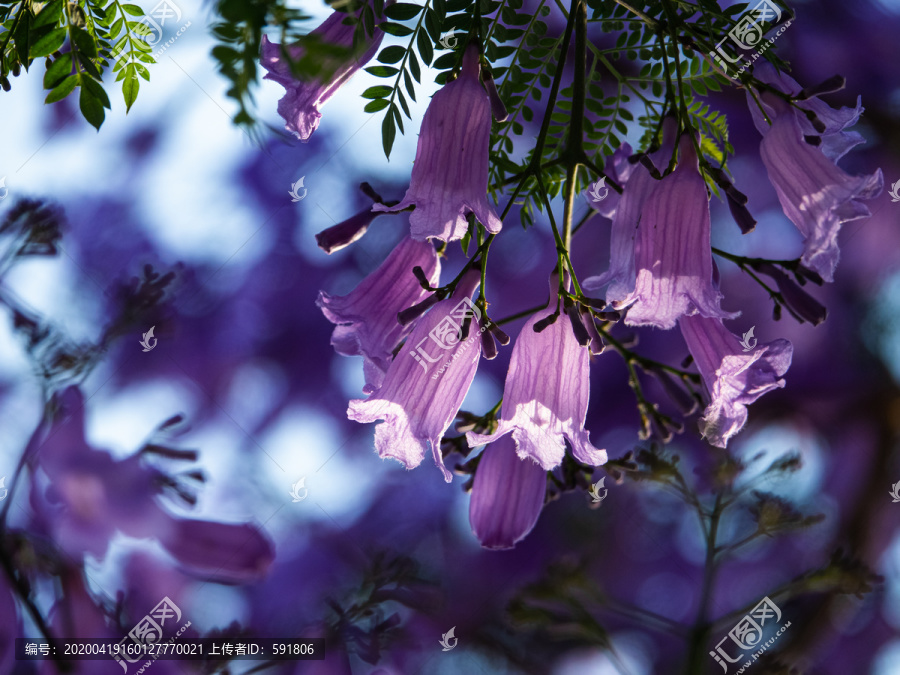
pixel 77 40
pixel 642 61
pixel 239 41
pixel 422 38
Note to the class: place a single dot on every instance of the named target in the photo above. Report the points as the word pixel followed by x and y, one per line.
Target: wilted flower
pixel 672 253
pixel 815 194
pixel 734 377
pixel 450 174
pixel 300 104
pixel 366 318
pixel 545 398
pixel 426 383
pixel 507 495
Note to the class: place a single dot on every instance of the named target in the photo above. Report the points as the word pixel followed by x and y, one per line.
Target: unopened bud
pixel 545 322
pixel 410 314
pixel 832 84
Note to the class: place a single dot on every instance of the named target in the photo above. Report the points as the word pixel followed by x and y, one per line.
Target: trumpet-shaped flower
pixel 545 398
pixel 366 318
pixel 507 495
pixel 300 104
pixel 450 174
pixel 673 260
pixel 734 377
pixel 638 186
pixel 426 383
pixel 815 194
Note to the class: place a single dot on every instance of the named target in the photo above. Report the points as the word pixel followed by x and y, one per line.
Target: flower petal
pixel 222 551
pixel 507 496
pixel 673 257
pixel 545 398
pixel 366 317
pixel 300 104
pixel 816 195
pixel 835 141
pixel 733 377
pixel 426 383
pixel 450 174
pixel 619 169
pixel 640 185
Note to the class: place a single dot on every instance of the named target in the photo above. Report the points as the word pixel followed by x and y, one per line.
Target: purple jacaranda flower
pixel 507 495
pixel 673 259
pixel 545 397
pixel 638 186
pixel 300 104
pixel 92 496
pixel 450 174
pixel 366 317
pixel 426 383
pixel 834 141
pixel 815 194
pixel 619 168
pixel 734 376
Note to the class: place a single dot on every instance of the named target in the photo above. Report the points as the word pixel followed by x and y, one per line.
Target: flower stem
pixel 701 629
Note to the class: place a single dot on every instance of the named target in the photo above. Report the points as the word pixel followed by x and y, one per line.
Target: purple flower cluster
pixel 415 336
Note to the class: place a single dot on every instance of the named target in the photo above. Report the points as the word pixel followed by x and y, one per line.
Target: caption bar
pixel 184 649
